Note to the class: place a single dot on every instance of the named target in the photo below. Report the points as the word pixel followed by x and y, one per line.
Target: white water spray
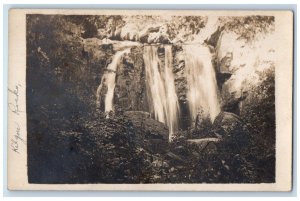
pixel 173 105
pixel 110 79
pixel 161 88
pixel 201 82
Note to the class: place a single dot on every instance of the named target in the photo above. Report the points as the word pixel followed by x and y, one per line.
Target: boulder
pixel 203 145
pixel 151 127
pixel 154 135
pixel 232 130
pixel 130 90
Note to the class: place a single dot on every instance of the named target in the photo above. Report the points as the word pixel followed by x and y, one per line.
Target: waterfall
pixel 155 83
pixel 161 88
pixel 202 92
pixel 109 80
pixel 173 106
pixel 202 88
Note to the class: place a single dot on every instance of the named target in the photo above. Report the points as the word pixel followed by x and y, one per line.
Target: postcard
pixel 150 100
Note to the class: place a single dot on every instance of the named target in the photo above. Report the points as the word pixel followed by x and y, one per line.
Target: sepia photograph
pixel 152 97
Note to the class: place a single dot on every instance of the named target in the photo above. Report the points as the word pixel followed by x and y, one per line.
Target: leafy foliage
pixel 258 112
pixel 249 27
pixel 70 142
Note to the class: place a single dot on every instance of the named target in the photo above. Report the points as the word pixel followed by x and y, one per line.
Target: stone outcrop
pixel 155 135
pixel 232 130
pixel 236 67
pixel 130 91
pixel 239 63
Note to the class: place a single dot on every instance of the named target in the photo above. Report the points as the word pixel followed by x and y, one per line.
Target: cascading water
pixel 155 84
pixel 160 88
pixel 173 105
pixel 110 80
pixel 201 82
pixel 202 92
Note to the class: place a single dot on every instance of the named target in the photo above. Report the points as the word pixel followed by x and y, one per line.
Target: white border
pixel 237 4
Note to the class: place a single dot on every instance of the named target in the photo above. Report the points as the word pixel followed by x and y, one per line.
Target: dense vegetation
pixel 69 141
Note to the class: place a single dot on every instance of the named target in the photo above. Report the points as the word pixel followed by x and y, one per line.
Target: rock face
pixel 203 145
pixel 237 59
pixel 130 91
pixel 232 130
pixel 236 62
pixel 232 73
pixel 155 30
pixel 239 64
pixel 155 135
